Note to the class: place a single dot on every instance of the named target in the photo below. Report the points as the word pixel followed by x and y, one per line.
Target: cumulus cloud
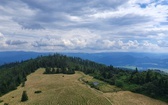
pixel 72 40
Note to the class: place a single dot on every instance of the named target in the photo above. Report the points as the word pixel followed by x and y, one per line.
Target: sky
pixel 84 25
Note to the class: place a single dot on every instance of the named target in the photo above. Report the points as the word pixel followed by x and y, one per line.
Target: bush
pixel 1 101
pixel 37 91
pixel 24 96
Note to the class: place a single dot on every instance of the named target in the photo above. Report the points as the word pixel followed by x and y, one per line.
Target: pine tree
pixel 47 70
pixel 24 96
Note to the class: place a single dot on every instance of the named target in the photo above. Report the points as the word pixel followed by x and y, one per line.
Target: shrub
pixel 37 91
pixel 24 96
pixel 1 101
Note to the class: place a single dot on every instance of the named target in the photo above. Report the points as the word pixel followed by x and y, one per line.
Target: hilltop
pixel 150 83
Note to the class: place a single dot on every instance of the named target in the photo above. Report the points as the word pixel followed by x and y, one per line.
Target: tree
pixel 53 71
pixel 119 83
pixel 136 70
pixel 47 70
pixel 148 76
pixel 24 96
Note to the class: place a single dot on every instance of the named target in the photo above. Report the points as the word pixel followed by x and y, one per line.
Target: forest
pixel 150 82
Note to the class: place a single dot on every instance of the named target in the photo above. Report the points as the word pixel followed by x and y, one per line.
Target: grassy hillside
pixel 61 89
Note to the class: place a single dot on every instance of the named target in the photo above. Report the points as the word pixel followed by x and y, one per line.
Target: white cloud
pixel 2 41
pixel 140 1
pixel 150 46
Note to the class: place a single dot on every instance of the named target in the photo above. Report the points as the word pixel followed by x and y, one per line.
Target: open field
pixel 60 89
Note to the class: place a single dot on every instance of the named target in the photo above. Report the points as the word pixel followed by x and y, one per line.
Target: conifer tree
pixel 24 96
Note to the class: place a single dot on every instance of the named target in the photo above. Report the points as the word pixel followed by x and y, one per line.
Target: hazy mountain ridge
pixel 121 59
pixel 13 56
pixel 125 59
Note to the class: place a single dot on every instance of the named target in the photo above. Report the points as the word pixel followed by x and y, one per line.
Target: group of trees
pixel 13 76
pixel 149 82
pixel 55 70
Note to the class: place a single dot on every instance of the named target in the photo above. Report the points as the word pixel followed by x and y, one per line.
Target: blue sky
pixel 84 25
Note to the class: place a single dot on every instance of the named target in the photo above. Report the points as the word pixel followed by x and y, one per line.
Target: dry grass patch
pixel 56 90
pixel 129 98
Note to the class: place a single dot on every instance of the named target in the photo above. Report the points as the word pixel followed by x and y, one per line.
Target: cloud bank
pixel 84 26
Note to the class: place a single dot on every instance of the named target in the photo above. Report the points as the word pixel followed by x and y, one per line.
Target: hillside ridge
pixel 150 83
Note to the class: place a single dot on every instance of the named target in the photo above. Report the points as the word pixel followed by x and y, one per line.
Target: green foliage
pixel 151 83
pixel 119 83
pixel 24 96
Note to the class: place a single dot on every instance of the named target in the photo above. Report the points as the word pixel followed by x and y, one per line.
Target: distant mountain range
pixel 13 56
pixel 130 60
pixel 119 59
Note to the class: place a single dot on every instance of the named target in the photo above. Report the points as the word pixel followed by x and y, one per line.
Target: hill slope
pixel 61 89
pixel 150 83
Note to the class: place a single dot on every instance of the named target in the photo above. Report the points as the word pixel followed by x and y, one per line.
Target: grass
pixel 61 89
